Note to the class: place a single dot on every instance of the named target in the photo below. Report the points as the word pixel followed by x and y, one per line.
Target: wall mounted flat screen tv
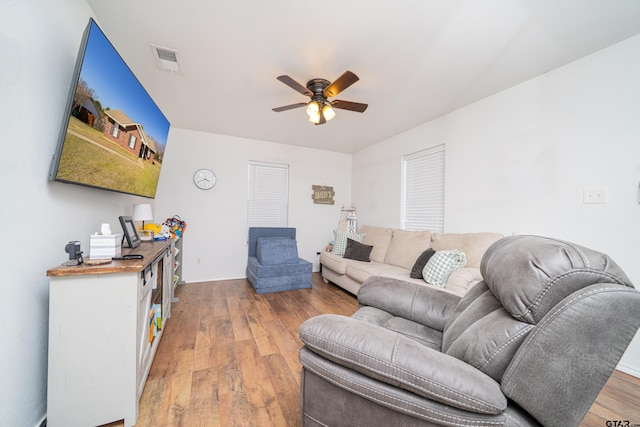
pixel 113 135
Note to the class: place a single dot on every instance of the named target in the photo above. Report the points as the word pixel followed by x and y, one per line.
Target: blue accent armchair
pixel 273 263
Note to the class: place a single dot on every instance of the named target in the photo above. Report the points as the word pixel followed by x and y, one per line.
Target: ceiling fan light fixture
pixel 329 113
pixel 313 109
pixel 314 118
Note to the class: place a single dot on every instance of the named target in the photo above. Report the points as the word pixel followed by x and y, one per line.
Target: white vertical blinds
pixel 268 203
pixel 423 182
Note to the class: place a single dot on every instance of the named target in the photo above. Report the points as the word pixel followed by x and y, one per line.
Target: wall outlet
pixel 595 195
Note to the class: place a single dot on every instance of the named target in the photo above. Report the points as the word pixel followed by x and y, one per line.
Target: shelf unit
pixel 101 335
pixel 177 267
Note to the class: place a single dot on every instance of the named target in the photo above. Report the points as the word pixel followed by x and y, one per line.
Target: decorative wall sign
pixel 323 195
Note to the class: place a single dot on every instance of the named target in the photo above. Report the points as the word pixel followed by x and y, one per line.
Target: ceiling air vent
pixel 167 59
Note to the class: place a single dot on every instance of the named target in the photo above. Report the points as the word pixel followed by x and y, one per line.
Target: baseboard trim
pixel 628 370
pixel 218 279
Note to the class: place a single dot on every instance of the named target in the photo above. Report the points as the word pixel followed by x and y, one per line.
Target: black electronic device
pixel 127 257
pixel 72 249
pixel 75 254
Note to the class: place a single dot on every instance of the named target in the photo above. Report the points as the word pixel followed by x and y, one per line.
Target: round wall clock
pixel 204 179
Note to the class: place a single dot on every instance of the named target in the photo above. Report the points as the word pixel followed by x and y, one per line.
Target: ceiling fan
pixel 320 108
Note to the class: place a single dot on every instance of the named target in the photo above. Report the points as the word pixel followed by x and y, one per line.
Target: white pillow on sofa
pixel 441 265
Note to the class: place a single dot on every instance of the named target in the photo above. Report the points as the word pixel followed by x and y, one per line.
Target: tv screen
pixel 113 135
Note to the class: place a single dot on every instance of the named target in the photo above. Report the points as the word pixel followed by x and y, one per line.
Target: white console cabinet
pixel 101 335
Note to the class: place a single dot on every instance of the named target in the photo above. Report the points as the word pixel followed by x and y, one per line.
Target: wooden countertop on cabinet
pixel 149 251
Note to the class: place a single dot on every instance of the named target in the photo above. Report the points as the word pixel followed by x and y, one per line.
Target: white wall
pixel 216 236
pixel 40 217
pixel 40 41
pixel 517 162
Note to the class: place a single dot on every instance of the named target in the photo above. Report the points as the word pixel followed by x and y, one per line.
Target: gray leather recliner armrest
pixel 400 361
pixel 421 304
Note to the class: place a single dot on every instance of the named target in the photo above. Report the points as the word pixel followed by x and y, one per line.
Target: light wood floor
pixel 229 357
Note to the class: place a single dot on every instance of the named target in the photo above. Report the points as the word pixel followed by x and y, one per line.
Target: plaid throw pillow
pixel 441 265
pixel 340 240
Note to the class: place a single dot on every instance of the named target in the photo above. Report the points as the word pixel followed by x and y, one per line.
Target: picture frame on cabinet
pixel 129 231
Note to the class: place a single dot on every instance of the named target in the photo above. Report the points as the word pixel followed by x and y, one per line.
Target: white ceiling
pixel 416 60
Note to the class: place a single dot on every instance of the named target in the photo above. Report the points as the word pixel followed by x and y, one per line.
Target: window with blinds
pixel 423 190
pixel 268 203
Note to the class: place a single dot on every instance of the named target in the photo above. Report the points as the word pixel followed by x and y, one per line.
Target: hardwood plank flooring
pixel 229 357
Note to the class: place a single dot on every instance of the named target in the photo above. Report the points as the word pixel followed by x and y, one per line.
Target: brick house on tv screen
pixel 129 135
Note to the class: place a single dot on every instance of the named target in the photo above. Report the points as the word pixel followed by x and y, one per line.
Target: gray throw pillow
pixel 340 240
pixel 416 270
pixel 357 251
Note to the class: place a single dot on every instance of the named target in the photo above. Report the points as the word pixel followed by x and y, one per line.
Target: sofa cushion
pixel 474 245
pixel 333 262
pixel 260 270
pixel 275 278
pixel 361 271
pixel 441 265
pixel 340 240
pixel 276 251
pixel 411 329
pixel 406 246
pixel 257 232
pixel 490 343
pixel 462 279
pixel 379 238
pixel 416 270
pixel 395 359
pixel 357 251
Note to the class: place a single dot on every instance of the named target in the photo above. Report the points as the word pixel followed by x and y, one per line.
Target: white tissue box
pixel 105 247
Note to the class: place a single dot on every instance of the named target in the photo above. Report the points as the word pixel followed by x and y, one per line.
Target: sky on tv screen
pixel 117 88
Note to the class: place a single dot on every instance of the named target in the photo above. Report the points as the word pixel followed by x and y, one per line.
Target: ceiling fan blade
pixel 290 107
pixel 343 82
pixel 294 85
pixel 348 105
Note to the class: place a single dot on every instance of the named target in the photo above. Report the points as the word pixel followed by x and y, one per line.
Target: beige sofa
pixel 395 252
